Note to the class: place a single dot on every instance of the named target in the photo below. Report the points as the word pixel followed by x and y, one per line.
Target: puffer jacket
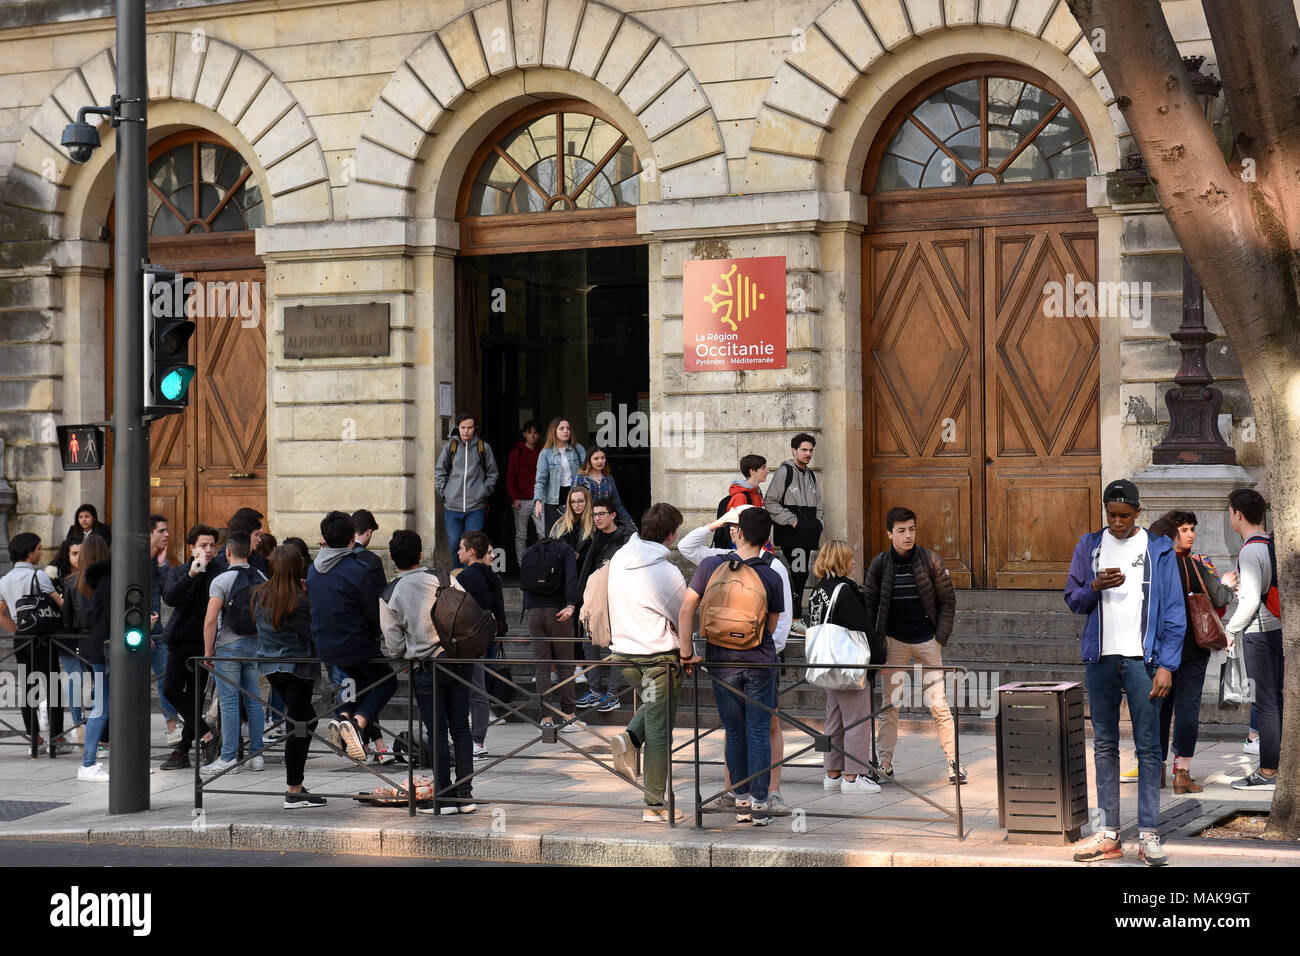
pixel 546 487
pixel 933 587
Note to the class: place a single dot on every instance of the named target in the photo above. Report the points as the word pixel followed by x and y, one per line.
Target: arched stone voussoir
pixel 504 37
pixel 189 68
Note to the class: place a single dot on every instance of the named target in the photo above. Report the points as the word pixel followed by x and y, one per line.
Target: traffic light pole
pixel 129 700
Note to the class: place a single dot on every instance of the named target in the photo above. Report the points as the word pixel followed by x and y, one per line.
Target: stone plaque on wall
pixel 333 331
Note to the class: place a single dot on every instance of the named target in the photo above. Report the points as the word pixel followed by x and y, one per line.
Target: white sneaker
pixel 861 784
pixel 480 751
pixel 95 774
pixel 1251 746
pixel 832 783
pixel 254 763
pixel 582 677
pixel 219 765
pixel 173 737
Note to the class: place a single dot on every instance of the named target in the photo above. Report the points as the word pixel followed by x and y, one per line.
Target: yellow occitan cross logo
pixel 738 301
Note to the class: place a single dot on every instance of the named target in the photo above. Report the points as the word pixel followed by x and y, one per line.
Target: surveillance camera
pixel 81 139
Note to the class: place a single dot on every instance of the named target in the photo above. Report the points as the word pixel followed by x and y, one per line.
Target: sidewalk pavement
pixel 609 832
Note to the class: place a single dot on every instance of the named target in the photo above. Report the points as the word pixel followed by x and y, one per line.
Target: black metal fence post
pixel 412 748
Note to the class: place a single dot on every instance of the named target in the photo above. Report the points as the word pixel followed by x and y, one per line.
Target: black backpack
pixel 35 615
pixel 722 537
pixel 541 570
pixel 237 614
pixel 464 629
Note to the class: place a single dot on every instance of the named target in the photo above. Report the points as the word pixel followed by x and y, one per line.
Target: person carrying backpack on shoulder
pixel 795 503
pixel 747 492
pixel 548 578
pixel 740 599
pixel 231 629
pixel 464 478
pixel 606 682
pixel 1256 628
pixel 407 617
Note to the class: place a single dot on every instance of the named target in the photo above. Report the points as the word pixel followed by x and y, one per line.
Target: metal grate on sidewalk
pixel 17 809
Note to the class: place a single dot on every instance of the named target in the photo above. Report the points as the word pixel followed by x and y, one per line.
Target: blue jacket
pixel 546 487
pixel 1164 620
pixel 344 597
pixel 602 486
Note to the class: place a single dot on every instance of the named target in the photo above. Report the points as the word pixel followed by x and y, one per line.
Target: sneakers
pixel 480 751
pixel 211 750
pixel 95 774
pixel 589 699
pixel 744 810
pixel 581 676
pixel 1251 746
pixel 218 765
pixel 302 800
pixel 1150 851
pixel 382 754
pixel 884 774
pixel 1104 845
pixel 860 784
pixel 608 704
pixel 446 809
pixel 798 628
pixel 177 761
pixel 333 734
pixel 620 746
pixel 727 801
pixel 353 740
pixel 174 737
pixel 776 806
pixel 660 815
pixel 832 783
pixel 1129 776
pixel 955 773
pixel 1256 781
pixel 762 814
pixel 254 763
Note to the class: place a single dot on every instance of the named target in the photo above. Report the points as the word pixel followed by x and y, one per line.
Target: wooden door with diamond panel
pixel 1042 390
pixel 922 345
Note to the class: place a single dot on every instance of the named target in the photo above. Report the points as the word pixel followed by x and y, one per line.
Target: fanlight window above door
pixel 202 187
pixel 986 129
pixel 559 161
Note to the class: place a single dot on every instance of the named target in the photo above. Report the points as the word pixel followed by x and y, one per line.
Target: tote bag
pixel 845 652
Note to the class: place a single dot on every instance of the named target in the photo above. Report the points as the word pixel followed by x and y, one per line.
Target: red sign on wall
pixel 734 314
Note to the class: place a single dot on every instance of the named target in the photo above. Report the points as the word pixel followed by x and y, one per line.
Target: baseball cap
pixel 1121 492
pixel 733 516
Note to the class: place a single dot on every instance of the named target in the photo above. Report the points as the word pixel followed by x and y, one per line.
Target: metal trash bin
pixel 1042 766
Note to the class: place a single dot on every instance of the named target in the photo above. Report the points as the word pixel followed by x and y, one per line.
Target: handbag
pixel 846 652
pixel 35 614
pixel 1234 688
pixel 1206 626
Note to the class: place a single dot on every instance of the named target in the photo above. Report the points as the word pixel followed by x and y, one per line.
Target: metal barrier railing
pixel 461 670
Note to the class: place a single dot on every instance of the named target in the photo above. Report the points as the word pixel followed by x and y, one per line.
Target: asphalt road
pixel 16 853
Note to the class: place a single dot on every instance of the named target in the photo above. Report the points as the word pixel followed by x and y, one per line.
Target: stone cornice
pixel 349 238
pixel 754 213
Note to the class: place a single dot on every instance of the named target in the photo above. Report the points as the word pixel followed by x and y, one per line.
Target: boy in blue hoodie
pixel 1127 583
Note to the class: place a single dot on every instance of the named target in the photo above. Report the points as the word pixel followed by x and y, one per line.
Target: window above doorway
pixel 202 187
pixel 986 125
pixel 562 160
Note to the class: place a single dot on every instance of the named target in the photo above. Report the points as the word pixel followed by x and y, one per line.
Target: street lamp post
pixel 1193 437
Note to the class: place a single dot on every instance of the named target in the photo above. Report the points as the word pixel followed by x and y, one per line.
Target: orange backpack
pixel 733 611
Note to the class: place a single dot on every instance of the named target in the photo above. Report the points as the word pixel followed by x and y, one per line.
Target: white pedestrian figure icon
pixel 89 457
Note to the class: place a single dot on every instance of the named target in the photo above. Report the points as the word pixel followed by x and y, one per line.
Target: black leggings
pixel 296 692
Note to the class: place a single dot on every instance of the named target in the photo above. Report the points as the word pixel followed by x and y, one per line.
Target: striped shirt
pixel 907 620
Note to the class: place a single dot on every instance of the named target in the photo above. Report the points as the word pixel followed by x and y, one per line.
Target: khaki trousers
pixel 900 655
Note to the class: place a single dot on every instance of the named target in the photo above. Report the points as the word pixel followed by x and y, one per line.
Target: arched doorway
pixel 552 293
pixel 203 207
pixel 981 408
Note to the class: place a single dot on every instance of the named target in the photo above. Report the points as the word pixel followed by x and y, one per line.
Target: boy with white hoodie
pixel 645 598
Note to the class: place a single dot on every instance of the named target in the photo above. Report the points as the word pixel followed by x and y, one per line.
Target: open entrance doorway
pixel 558 333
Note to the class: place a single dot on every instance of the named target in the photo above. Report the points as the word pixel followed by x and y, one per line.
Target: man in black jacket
pixel 484 586
pixel 910 598
pixel 606 681
pixel 188 594
pixel 248 520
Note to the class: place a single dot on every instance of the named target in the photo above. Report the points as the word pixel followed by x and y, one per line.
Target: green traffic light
pixel 176 381
pixel 134 639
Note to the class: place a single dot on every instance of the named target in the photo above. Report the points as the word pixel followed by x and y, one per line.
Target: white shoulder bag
pixel 837 656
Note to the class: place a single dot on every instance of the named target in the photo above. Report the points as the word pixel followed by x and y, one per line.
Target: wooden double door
pixel 980 402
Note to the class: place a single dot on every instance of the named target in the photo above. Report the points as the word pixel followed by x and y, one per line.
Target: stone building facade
pixel 361 123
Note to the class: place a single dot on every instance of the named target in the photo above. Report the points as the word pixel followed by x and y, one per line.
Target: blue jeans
pixel 458 522
pixel 158 664
pixel 369 703
pixel 748 746
pixel 74 668
pixel 231 676
pixel 1107 679
pixel 452 719
pixel 98 717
